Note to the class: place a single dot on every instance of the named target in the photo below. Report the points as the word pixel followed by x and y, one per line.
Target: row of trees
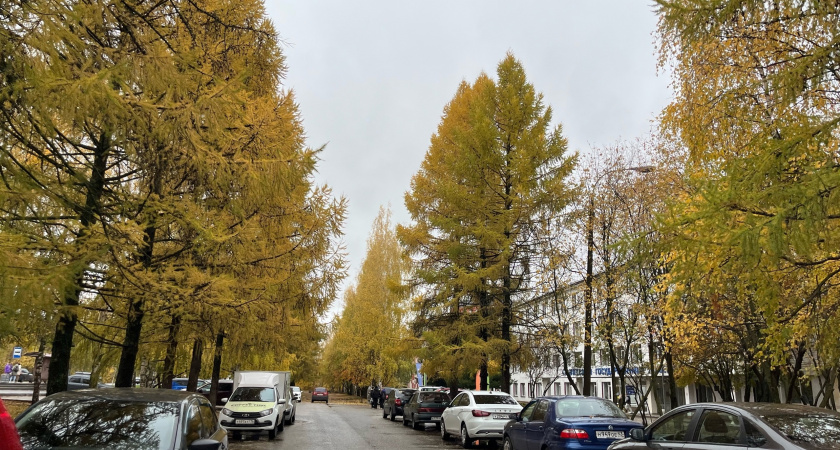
pixel 156 193
pixel 717 266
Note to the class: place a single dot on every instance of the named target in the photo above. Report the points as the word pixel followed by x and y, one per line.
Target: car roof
pixel 769 409
pixel 488 393
pixel 127 394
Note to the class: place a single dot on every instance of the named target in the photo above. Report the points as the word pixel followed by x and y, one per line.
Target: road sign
pixel 18 352
pixel 631 390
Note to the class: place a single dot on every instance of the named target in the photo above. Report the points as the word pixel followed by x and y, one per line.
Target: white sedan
pixel 476 415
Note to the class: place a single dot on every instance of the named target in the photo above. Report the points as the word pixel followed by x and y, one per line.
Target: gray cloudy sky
pixel 372 78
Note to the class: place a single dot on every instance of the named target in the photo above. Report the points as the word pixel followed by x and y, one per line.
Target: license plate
pixel 609 434
pixel 244 422
pixel 501 416
pixel 436 418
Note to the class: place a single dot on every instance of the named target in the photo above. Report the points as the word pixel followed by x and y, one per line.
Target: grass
pixel 15 407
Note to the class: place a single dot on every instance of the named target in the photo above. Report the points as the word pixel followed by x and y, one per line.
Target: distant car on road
pixel 25 376
pixel 296 392
pixel 739 425
pixel 225 389
pixel 81 380
pixel 320 394
pixel 158 419
pixel 572 421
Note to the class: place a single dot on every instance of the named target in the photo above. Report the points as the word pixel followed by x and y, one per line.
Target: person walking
pixel 374 397
pixel 8 371
pixel 15 372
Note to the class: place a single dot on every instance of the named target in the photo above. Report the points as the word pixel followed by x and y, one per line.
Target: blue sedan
pixel 568 422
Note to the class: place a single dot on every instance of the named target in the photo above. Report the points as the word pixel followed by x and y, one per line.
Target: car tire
pixel 466 440
pixel 443 434
pixel 272 434
pixel 414 424
pixel 384 414
pixel 294 417
pixel 393 415
pixel 289 420
pixel 508 445
pixel 405 420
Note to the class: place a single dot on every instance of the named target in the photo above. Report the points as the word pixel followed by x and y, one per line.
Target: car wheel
pixel 384 414
pixel 289 420
pixel 508 445
pixel 405 420
pixel 393 416
pixel 443 434
pixel 272 434
pixel 414 423
pixel 466 441
pixel 294 417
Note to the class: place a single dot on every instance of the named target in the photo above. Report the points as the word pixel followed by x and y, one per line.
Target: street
pixel 347 427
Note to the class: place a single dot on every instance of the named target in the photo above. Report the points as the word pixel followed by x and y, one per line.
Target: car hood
pixel 249 406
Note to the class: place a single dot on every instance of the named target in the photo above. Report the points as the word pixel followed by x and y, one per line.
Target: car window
pixel 819 430
pixel 208 419
pixel 457 400
pixel 433 397
pixel 540 411
pixel 193 431
pixel 495 400
pixel 587 407
pixel 253 394
pixel 674 428
pixel 465 400
pixel 528 411
pixel 99 423
pixel 719 427
pixel 755 438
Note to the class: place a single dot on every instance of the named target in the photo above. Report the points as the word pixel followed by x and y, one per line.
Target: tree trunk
pixel 217 367
pixel 171 352
pixel 195 365
pixel 39 363
pixel 587 325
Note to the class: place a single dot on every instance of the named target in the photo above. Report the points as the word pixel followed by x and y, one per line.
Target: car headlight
pixel 227 412
pixel 267 412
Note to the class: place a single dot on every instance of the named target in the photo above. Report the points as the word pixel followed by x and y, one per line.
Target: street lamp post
pixel 588 300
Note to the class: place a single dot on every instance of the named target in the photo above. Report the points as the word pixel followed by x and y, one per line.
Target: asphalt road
pixel 347 427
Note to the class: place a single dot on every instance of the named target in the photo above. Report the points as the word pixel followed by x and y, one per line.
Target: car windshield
pixel 587 407
pixel 495 400
pixel 252 394
pixel 817 430
pixel 99 423
pixel 320 389
pixel 433 397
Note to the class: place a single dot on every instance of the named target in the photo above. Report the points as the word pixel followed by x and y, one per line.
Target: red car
pixel 321 394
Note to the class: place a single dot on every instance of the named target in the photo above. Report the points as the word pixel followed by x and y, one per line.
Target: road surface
pixel 347 427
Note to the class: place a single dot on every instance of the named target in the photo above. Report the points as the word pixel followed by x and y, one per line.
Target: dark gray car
pixel 746 425
pixel 155 419
pixel 395 401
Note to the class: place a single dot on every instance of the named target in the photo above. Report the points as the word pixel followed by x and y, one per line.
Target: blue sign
pixel 631 390
pixel 17 353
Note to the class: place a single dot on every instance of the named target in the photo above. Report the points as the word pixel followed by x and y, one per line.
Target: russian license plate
pixel 501 416
pixel 609 434
pixel 244 422
pixel 436 418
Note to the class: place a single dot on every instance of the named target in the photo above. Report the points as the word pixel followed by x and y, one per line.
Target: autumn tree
pixel 493 164
pixel 756 235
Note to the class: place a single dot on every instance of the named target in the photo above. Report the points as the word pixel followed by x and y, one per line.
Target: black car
pixel 225 389
pixel 739 425
pixel 80 380
pixel 395 401
pixel 424 407
pixel 158 419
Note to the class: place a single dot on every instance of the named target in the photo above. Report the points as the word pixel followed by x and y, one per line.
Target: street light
pixel 588 303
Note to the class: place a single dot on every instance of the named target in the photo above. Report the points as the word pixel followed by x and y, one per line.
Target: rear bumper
pixel 320 398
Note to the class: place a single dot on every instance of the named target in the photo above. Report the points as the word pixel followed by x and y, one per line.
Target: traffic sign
pixel 631 390
pixel 18 352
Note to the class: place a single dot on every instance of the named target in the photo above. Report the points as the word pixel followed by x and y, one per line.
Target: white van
pixel 261 401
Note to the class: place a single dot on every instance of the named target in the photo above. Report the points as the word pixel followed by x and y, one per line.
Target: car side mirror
pixel 225 400
pixel 282 401
pixel 637 434
pixel 205 444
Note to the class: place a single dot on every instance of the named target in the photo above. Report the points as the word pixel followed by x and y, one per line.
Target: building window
pixel 593 388
pixel 557 389
pixel 522 389
pixel 606 390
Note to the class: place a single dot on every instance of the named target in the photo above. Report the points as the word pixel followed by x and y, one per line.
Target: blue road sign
pixel 17 353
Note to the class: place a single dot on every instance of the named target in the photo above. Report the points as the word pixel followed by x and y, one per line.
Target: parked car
pixel 25 375
pixel 743 425
pixel 122 418
pixel 81 380
pixel 474 415
pixel 320 394
pixel 568 422
pixel 180 384
pixel 296 393
pixel 224 390
pixel 430 388
pixel 423 408
pixel 395 402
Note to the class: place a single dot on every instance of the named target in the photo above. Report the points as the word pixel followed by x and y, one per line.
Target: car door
pixel 535 428
pixel 673 432
pixel 717 430
pixel 450 414
pixel 210 425
pixel 517 429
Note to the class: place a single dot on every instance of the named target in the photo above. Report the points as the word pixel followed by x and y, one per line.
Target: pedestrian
pixel 8 371
pixel 383 396
pixel 15 372
pixel 374 397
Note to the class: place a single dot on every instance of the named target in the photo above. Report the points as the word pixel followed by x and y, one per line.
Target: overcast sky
pixel 372 79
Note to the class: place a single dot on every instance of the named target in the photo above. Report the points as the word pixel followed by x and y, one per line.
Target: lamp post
pixel 588 302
